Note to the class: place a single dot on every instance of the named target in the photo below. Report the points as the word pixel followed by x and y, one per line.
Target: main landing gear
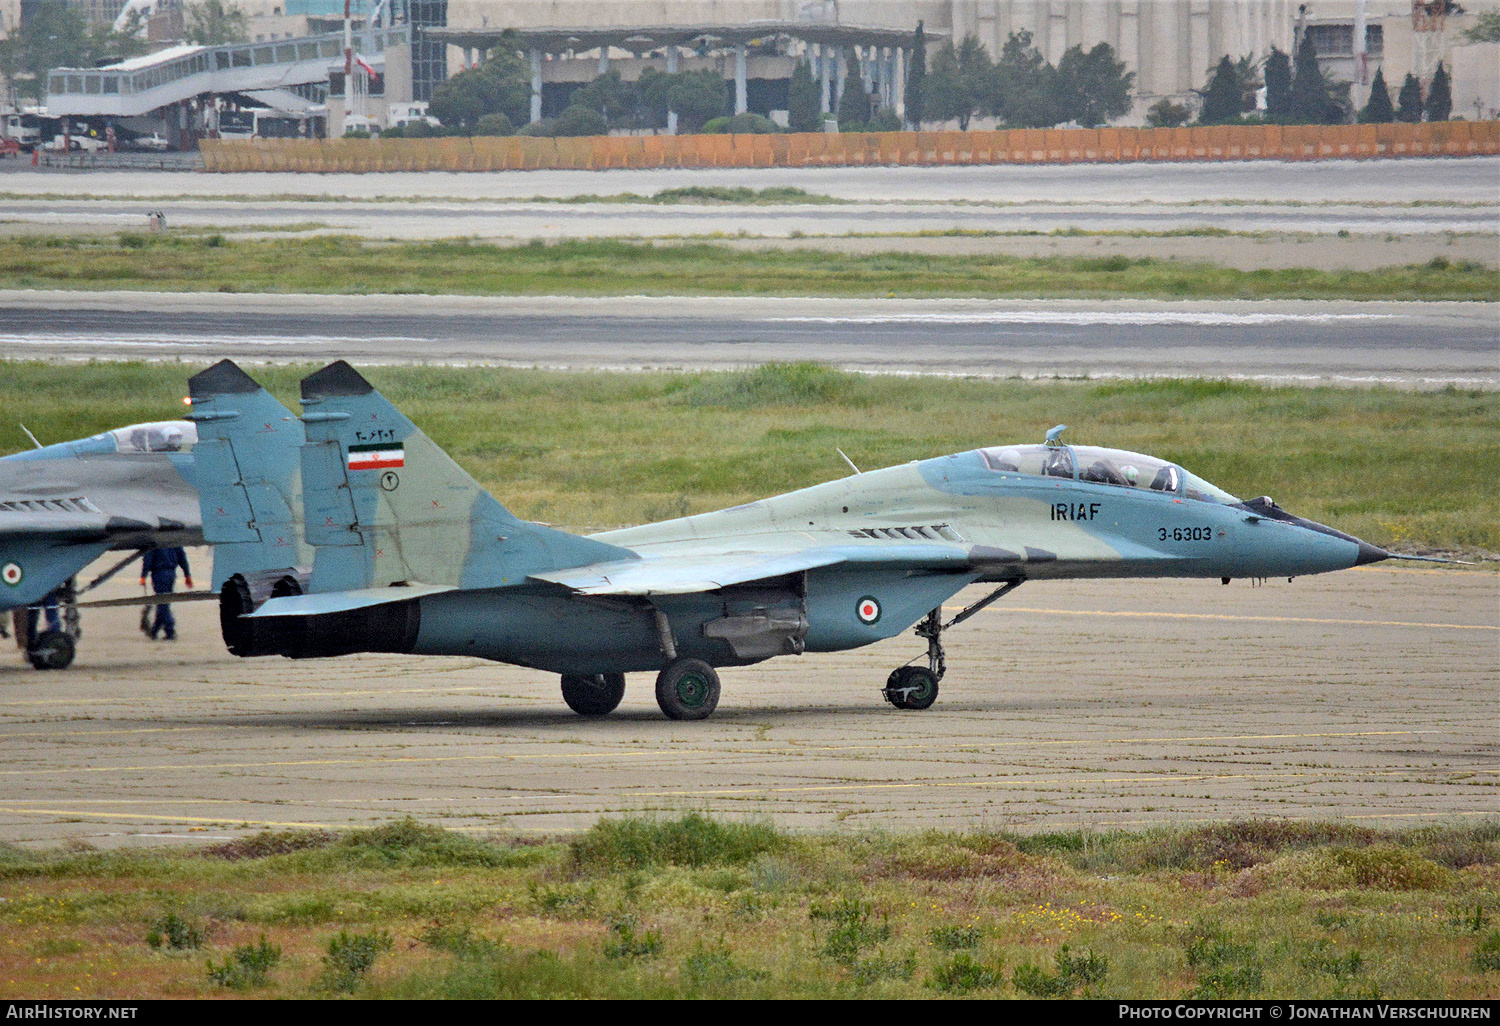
pixel 596 694
pixel 916 687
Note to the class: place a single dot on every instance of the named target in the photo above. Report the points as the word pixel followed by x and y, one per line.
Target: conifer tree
pixel 1278 86
pixel 916 75
pixel 1410 109
pixel 1221 102
pixel 1310 100
pixel 1378 111
pixel 804 103
pixel 1440 96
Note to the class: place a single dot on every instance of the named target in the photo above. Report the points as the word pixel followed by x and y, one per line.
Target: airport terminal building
pixel 1172 46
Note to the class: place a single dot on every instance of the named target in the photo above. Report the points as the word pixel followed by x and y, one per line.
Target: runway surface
pixel 1367 696
pixel 1404 344
pixel 1363 182
pixel 1376 198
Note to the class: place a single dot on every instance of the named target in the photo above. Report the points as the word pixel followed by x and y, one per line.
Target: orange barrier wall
pixel 1016 146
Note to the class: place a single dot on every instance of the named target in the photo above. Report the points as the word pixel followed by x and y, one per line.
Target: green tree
pixel 55 37
pixel 854 107
pixel 1278 86
pixel 1311 104
pixel 916 80
pixel 1378 111
pixel 1025 85
pixel 580 120
pixel 500 85
pixel 1092 87
pixel 1440 95
pixel 1486 28
pixel 614 98
pixel 1231 91
pixel 651 98
pixel 214 22
pixel 1221 100
pixel 962 82
pixel 1410 101
pixel 697 96
pixel 804 103
pixel 1166 114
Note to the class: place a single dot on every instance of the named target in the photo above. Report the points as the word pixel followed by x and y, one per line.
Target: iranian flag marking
pixel 384 456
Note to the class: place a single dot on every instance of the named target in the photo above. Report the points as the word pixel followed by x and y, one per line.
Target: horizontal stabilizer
pixel 153 600
pixel 344 601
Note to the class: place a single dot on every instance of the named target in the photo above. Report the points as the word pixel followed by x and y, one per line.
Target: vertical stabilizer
pixel 384 505
pixel 247 468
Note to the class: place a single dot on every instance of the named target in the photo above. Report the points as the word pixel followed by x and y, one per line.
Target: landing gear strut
pixel 916 687
pixel 51 649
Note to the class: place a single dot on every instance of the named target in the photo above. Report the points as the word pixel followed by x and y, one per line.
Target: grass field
pixel 597 450
pixel 694 907
pixel 335 264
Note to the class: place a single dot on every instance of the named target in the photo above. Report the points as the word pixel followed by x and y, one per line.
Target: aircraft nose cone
pixel 1370 554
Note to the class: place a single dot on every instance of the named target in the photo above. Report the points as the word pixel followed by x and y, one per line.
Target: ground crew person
pixel 161 565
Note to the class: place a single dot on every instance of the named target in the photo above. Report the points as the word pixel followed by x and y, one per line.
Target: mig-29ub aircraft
pixel 412 556
pixel 63 506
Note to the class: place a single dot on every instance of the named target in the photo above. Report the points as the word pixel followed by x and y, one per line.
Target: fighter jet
pixel 410 555
pixel 63 506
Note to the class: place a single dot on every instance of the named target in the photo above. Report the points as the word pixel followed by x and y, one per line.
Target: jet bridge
pixel 140 85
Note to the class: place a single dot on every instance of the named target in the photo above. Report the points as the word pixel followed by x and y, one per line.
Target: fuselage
pixel 63 506
pixel 908 538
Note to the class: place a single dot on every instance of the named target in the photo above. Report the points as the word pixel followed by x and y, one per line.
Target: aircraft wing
pixel 685 573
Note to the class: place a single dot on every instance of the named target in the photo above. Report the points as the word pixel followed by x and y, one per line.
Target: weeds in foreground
pixel 962 974
pixel 175 933
pixel 1070 972
pixel 626 941
pixel 1225 969
pixel 350 956
pixel 248 965
pixel 1486 958
pixel 850 929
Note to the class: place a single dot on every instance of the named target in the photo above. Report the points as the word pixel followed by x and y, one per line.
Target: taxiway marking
pixel 660 752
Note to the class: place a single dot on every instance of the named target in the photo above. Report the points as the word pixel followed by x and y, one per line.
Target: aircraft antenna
pixel 39 445
pixel 847 460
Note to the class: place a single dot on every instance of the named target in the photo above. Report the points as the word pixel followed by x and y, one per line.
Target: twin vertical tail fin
pixel 384 505
pixel 357 491
pixel 247 469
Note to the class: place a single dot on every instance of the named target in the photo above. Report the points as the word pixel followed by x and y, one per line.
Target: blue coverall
pixel 161 565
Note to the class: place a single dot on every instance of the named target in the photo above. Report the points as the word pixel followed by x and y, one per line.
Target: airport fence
pixel 817 149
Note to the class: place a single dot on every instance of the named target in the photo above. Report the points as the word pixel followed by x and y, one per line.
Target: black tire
pixel 52 650
pixel 911 687
pixel 597 694
pixel 687 689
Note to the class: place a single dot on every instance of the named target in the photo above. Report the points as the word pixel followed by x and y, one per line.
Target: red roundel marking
pixel 868 610
pixel 11 574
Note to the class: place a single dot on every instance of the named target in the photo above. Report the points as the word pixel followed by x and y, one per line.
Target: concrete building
pixel 1171 45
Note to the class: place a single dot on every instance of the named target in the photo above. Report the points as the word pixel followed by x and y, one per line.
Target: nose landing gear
pixel 916 687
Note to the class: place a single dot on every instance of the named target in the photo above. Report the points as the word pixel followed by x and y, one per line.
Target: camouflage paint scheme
pixel 63 506
pixel 413 555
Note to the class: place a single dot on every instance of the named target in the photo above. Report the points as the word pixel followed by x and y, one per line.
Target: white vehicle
pixel 17 129
pixel 403 114
pixel 153 143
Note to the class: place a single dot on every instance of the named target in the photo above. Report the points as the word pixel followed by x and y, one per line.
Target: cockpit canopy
pixel 157 436
pixel 1103 466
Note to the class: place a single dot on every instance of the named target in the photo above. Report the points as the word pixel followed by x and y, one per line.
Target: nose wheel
pixel 916 687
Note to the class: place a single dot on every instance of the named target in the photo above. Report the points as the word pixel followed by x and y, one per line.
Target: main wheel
pixel 52 650
pixel 687 689
pixel 594 695
pixel 911 687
